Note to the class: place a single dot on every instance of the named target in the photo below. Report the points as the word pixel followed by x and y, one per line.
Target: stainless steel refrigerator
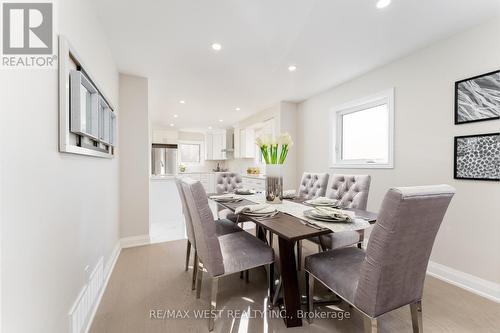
pixel 163 159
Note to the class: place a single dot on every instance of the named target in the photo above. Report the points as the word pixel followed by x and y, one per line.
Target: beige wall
pixel 469 239
pixel 60 212
pixel 135 156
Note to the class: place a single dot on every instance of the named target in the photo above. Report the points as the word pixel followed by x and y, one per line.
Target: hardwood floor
pixel 150 278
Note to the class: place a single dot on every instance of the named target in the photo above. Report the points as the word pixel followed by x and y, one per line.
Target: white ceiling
pixel 330 41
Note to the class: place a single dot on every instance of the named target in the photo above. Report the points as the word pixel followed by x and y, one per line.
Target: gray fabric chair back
pixel 207 243
pixel 351 190
pixel 393 271
pixel 186 213
pixel 227 182
pixel 313 185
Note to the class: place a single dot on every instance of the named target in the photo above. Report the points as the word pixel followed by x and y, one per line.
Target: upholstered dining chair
pixel 226 182
pixel 391 272
pixel 352 192
pixel 222 227
pixel 221 255
pixel 312 185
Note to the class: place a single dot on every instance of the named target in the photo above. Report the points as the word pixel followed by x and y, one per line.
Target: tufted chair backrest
pixel 227 182
pixel 313 185
pixel 351 190
pixel 399 247
pixel 207 243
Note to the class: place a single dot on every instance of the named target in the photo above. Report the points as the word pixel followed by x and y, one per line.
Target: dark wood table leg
pixel 290 283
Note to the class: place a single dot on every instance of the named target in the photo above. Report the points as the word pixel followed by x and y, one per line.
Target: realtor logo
pixel 27 34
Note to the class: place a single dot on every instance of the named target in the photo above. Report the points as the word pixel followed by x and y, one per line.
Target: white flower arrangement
pixel 269 145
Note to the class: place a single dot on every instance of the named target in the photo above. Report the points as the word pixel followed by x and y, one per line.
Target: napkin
pixel 322 200
pixel 289 194
pixel 333 213
pixel 258 208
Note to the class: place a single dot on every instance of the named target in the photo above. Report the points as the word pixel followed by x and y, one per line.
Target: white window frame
pixel 202 152
pixel 336 114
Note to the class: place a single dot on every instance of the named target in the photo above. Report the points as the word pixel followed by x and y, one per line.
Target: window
pixel 190 153
pixel 84 106
pixel 362 133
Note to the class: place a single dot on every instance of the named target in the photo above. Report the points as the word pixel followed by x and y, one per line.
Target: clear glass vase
pixel 274 183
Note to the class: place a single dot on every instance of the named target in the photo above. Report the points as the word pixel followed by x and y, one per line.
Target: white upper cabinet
pixel 215 142
pixel 247 143
pixel 237 142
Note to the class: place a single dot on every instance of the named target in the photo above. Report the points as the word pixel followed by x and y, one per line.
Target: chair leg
pixel 270 283
pixel 371 325
pixel 247 276
pixel 361 238
pixel 188 254
pixel 195 270
pixel 213 303
pixel 299 255
pixel 310 296
pixel 277 293
pixel 416 317
pixel 199 277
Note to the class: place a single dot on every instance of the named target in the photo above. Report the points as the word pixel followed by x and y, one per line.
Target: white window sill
pixel 362 166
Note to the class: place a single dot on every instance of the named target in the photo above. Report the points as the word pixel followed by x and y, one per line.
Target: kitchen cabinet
pixel 247 143
pixel 237 142
pixel 215 143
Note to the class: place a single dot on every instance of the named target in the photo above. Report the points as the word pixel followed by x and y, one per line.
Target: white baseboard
pixel 135 241
pixel 108 269
pixel 474 284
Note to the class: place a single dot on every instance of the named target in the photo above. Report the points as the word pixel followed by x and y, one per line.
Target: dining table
pixel 291 226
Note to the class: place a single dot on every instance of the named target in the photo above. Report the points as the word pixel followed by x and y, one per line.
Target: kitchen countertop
pixel 165 177
pixel 259 176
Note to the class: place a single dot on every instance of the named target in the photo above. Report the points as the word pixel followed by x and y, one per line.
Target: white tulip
pixel 285 139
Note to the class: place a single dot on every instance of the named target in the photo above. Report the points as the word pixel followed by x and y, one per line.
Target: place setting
pixel 244 191
pixel 257 211
pixel 328 214
pixel 323 202
pixel 226 198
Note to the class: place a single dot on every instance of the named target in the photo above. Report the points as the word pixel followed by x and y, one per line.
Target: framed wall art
pixel 477 157
pixel 478 98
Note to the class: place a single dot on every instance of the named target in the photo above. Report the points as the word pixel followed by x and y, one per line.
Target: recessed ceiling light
pixel 209 127
pixel 221 120
pixel 182 101
pixel 237 109
pixel 172 125
pixel 383 3
pixel 216 46
pixel 292 68
pixel 176 116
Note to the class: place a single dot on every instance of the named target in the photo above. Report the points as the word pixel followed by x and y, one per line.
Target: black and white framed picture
pixel 477 157
pixel 478 98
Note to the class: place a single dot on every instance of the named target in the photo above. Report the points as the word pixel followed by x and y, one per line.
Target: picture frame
pixel 477 157
pixel 478 98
